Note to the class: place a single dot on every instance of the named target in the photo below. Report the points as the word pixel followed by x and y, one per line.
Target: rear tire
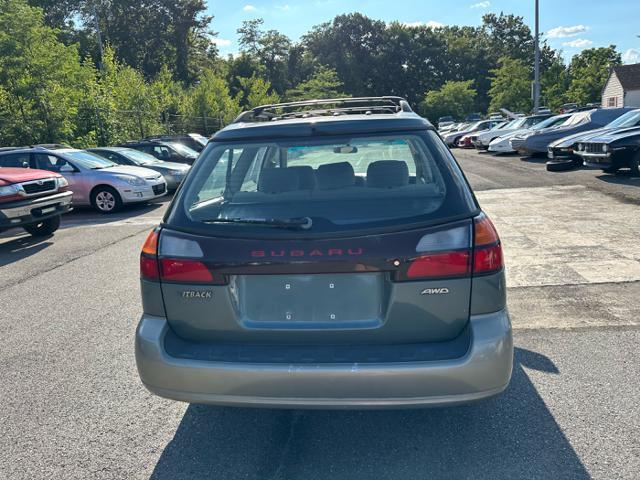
pixel 106 200
pixel 43 228
pixel 561 165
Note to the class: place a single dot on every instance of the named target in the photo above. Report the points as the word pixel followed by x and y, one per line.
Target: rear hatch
pixel 341 240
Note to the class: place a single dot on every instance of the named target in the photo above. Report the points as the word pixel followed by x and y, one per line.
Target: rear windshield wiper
pixel 303 223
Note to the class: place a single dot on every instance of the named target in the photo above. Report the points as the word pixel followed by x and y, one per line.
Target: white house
pixel 623 87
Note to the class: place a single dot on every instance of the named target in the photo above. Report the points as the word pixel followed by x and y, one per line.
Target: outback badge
pixel 197 294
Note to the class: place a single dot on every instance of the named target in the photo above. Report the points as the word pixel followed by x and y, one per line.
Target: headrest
pixel 336 175
pixel 306 177
pixel 278 180
pixel 387 174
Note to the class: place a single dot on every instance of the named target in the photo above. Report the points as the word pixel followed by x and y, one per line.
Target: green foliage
pixel 161 71
pixel 589 71
pixel 42 82
pixel 511 86
pixel 256 92
pixel 211 99
pixel 455 98
pixel 323 84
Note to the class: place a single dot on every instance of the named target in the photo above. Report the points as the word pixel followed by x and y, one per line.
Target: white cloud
pixel 221 42
pixel 485 4
pixel 564 32
pixel 249 8
pixel 578 43
pixel 284 8
pixel 429 24
pixel 631 56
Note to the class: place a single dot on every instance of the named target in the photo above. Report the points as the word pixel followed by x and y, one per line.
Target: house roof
pixel 629 76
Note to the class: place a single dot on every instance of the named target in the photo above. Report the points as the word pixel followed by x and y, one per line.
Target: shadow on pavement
pixel 511 436
pixel 22 247
pixel 623 177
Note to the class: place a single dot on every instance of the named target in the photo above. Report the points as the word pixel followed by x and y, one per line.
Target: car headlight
pixel 580 146
pixel 176 172
pixel 605 148
pixel 9 190
pixel 62 182
pixel 131 180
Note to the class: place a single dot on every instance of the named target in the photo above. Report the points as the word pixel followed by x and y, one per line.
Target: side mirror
pixel 67 169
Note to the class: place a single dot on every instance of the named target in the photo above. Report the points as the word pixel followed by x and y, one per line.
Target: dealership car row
pixel 604 138
pixel 40 183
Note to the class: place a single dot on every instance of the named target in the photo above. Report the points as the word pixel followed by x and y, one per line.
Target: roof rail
pixel 332 106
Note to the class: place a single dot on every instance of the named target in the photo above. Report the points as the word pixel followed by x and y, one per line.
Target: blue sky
pixel 570 25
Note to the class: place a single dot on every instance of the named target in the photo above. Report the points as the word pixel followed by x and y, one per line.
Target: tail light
pixel 156 267
pixel 451 253
pixel 487 251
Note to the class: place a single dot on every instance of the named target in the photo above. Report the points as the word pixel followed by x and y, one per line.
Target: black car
pixel 194 141
pixel 562 152
pixel 165 151
pixel 612 151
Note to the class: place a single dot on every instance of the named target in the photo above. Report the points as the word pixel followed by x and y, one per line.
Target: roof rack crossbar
pixel 389 104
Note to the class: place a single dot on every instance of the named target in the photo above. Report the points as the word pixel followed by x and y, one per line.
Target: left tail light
pixel 155 265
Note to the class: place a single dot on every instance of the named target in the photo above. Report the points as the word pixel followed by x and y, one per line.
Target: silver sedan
pixel 99 182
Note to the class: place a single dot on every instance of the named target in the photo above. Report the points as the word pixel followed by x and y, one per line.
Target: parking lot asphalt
pixel 73 407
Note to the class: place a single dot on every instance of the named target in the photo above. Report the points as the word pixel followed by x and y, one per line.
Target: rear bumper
pixel 484 371
pixel 143 193
pixel 15 214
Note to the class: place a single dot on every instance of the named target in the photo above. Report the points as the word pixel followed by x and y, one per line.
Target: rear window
pixel 340 183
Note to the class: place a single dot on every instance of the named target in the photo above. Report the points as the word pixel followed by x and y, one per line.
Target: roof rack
pixel 332 106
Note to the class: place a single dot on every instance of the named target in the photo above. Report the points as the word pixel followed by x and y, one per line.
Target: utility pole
pixel 536 75
pixel 99 36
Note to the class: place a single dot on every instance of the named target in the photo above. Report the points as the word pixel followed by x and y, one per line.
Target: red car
pixel 33 200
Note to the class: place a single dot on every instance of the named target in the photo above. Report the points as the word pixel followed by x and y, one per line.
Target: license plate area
pixel 310 301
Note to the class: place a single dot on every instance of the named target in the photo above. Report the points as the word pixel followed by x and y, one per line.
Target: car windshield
pixel 519 122
pixel 629 119
pixel 199 138
pixel 578 118
pixel 89 160
pixel 138 157
pixel 183 149
pixel 339 183
pixel 551 122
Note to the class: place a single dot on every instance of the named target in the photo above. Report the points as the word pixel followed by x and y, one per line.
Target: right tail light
pixel 487 250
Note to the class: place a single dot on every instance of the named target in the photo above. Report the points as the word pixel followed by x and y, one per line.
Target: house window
pixel 612 102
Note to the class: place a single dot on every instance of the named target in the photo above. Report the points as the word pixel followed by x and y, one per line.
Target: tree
pixel 453 98
pixel 324 83
pixel 511 86
pixel 43 85
pixel 211 100
pixel 350 45
pixel 255 92
pixel 589 71
pixel 554 82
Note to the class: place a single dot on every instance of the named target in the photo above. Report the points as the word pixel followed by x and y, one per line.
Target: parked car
pixel 611 151
pixel 315 273
pixel 473 117
pixel 165 151
pixel 468 140
pixel 496 116
pixel 94 180
pixel 451 139
pixel 172 172
pixel 541 110
pixel 562 152
pixel 512 142
pixel 194 141
pixel 485 138
pixel 538 143
pixel 444 122
pixel 31 199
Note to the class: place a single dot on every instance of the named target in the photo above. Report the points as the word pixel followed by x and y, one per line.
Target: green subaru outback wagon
pixel 325 253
